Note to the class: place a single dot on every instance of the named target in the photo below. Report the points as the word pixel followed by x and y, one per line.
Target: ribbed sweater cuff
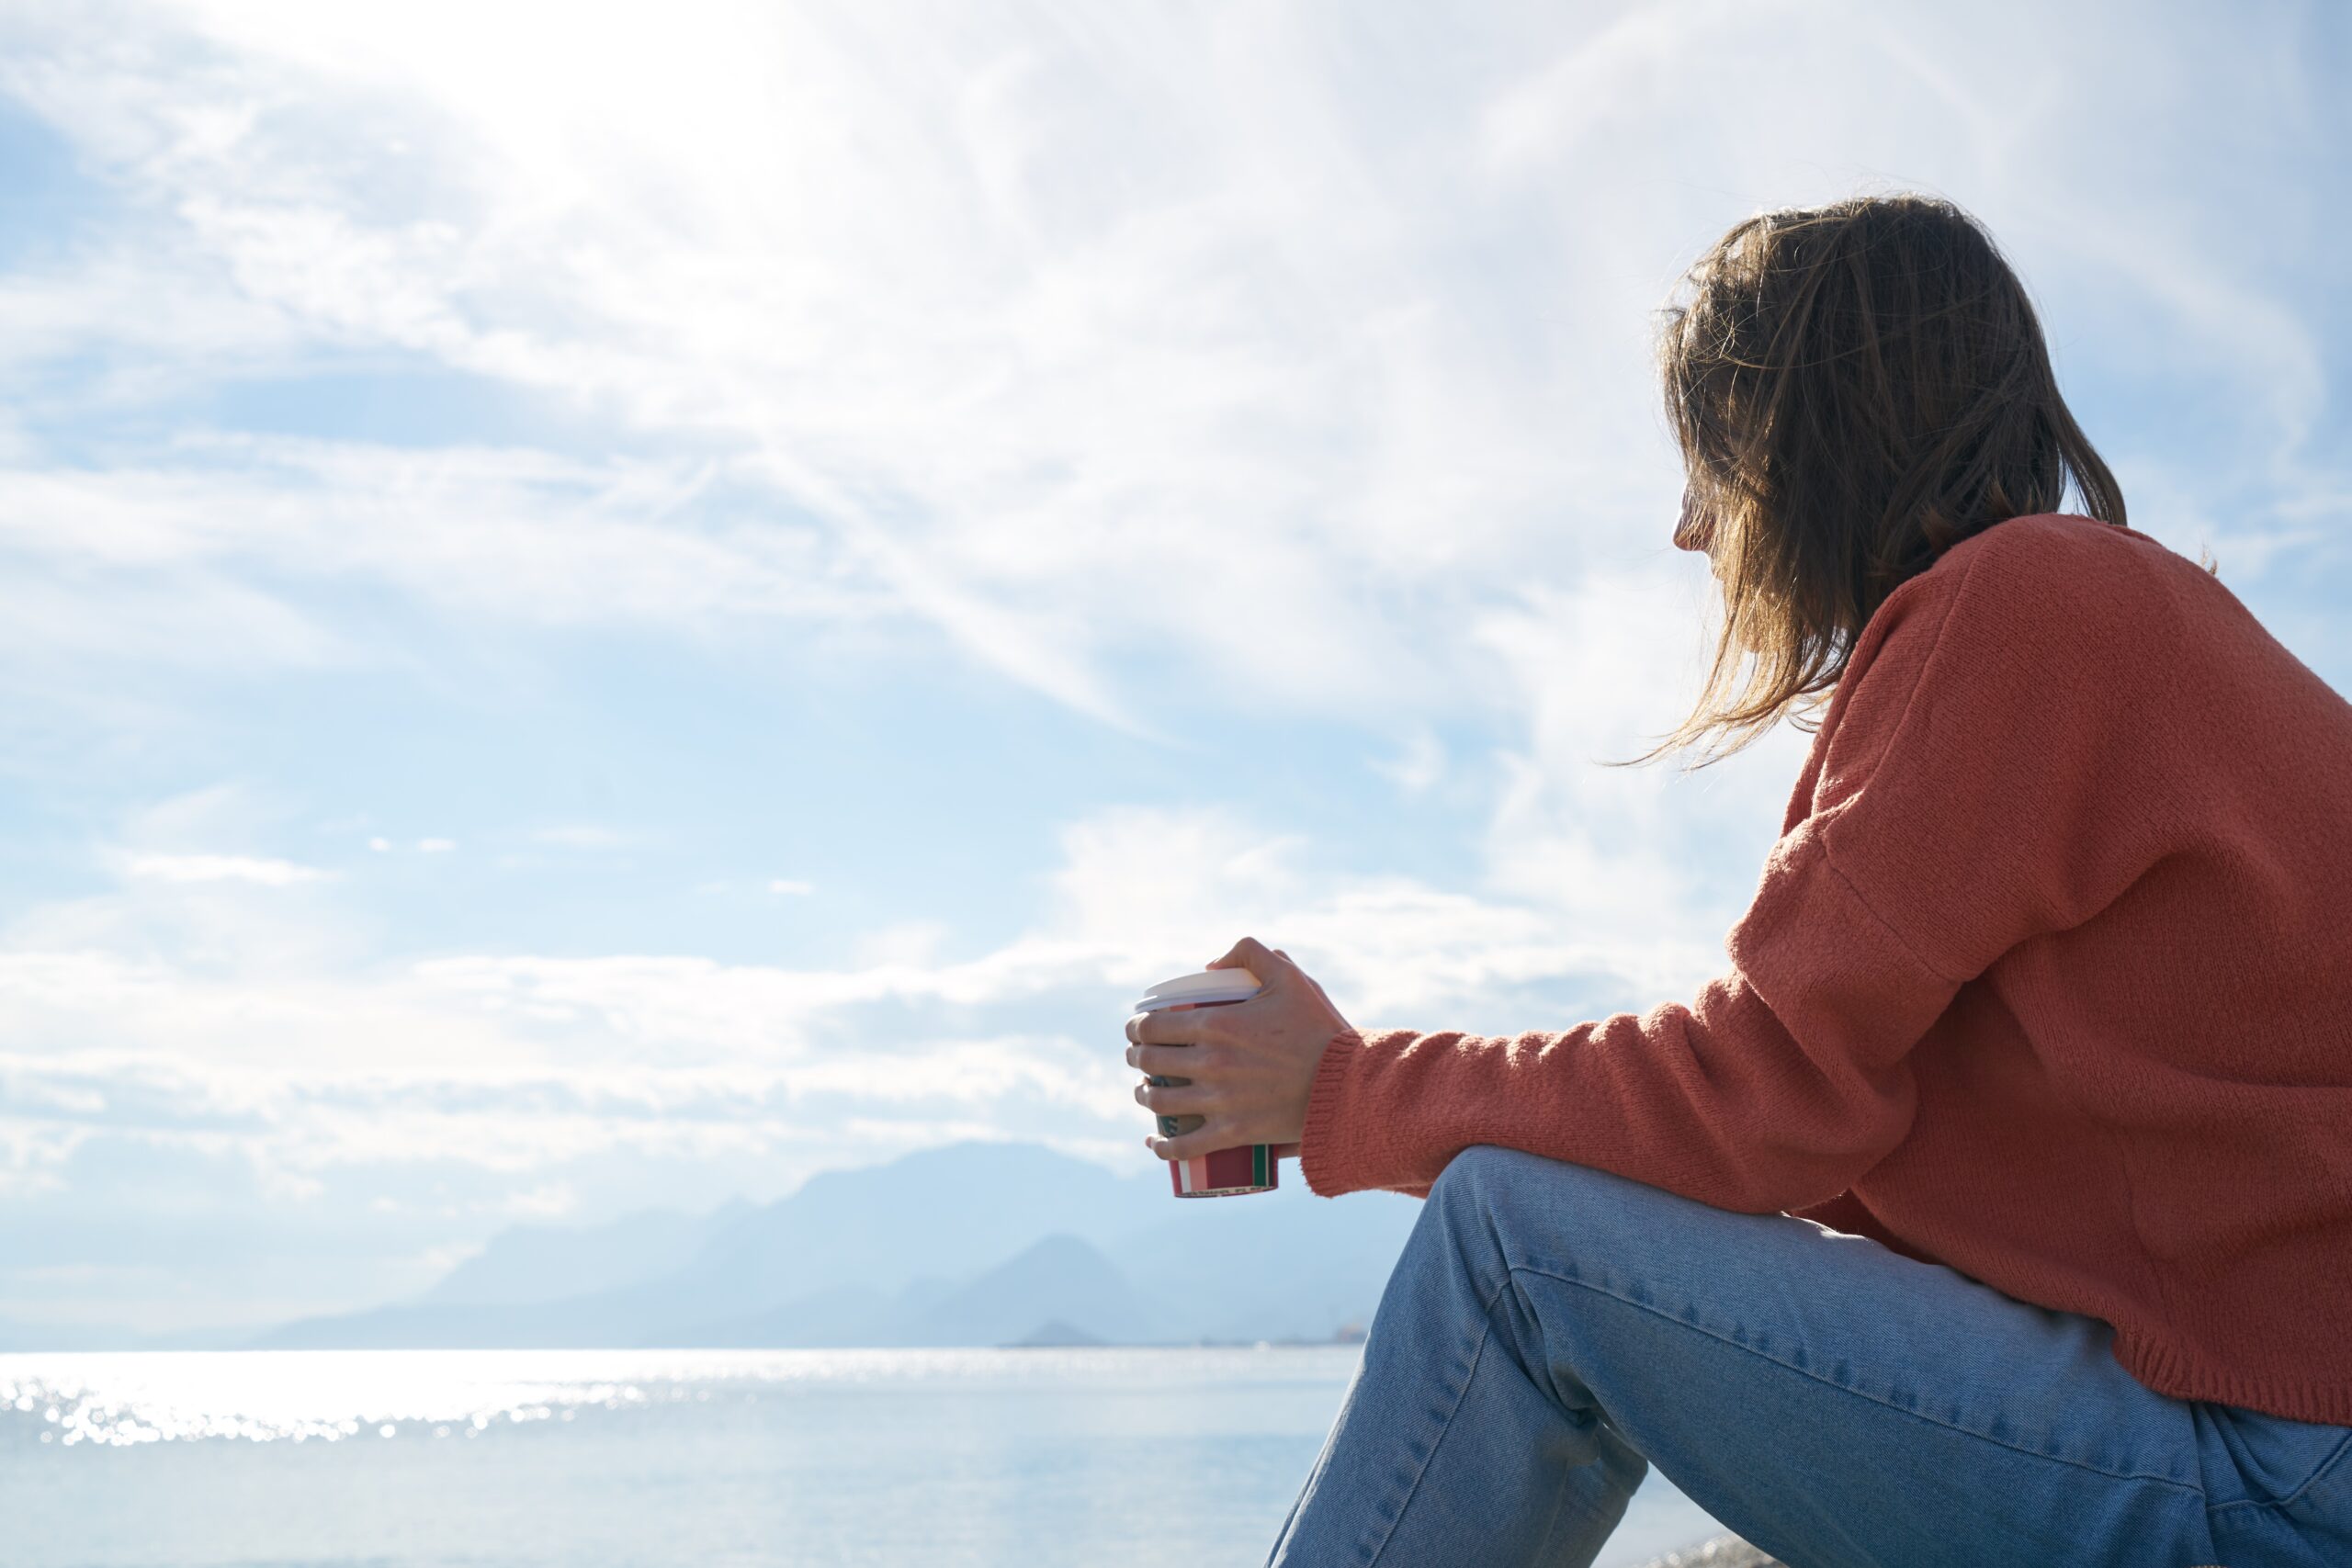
pixel 1341 1150
pixel 1322 1116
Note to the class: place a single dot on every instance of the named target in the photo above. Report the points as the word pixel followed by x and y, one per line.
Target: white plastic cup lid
pixel 1207 986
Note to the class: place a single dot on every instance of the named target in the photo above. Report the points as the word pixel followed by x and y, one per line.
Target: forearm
pixel 1716 1102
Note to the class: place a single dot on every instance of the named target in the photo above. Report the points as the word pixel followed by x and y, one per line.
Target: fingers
pixel 1173 1061
pixel 1302 973
pixel 1189 1145
pixel 1198 1045
pixel 1178 1100
pixel 1194 1026
pixel 1265 965
pixel 1190 1029
pixel 1313 984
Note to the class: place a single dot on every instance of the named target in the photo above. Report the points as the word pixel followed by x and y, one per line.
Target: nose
pixel 1688 533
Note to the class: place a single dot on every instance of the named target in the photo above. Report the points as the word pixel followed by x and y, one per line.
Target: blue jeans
pixel 1550 1331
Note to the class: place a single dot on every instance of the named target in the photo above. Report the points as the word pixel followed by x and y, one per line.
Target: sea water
pixel 947 1459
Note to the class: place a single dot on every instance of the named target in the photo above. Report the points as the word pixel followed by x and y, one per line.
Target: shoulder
pixel 2054 541
pixel 1995 638
pixel 2049 579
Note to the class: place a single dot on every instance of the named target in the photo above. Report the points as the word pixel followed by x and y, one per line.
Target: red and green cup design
pixel 1220 1173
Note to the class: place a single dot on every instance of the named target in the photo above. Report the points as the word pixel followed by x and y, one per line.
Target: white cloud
pixel 548 1201
pixel 524 1063
pixel 520 534
pixel 219 868
pixel 1257 562
pixel 1353 394
pixel 1419 765
pixel 915 942
pixel 1181 364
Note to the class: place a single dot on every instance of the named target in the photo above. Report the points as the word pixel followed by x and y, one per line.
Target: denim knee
pixel 1500 1181
pixel 1484 1166
pixel 1463 1204
pixel 1503 1202
pixel 1497 1207
pixel 1477 1178
pixel 1558 1216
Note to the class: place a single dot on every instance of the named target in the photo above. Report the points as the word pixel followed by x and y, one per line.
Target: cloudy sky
pixel 612 606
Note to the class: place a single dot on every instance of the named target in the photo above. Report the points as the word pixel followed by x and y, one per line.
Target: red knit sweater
pixel 2048 978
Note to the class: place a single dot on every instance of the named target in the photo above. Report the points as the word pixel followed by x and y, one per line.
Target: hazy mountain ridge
pixel 542 1263
pixel 978 1243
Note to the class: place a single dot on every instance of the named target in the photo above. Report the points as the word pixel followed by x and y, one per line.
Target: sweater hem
pixel 2168 1373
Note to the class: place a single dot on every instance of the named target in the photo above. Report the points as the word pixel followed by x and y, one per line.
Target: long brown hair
pixel 1855 388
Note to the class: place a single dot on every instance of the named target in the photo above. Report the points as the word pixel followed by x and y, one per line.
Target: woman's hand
pixel 1251 1064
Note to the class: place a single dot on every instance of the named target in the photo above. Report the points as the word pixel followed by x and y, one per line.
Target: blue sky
pixel 611 606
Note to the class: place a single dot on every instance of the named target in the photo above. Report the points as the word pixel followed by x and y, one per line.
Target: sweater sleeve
pixel 1958 798
pixel 1777 1085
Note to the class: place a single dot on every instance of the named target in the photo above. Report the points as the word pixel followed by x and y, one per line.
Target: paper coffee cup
pixel 1220 1173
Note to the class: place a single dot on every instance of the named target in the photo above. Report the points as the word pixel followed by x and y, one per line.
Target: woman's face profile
pixel 1691 533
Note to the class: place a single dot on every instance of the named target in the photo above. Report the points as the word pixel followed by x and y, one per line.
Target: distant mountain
pixel 839 1317
pixel 946 1211
pixel 585 1322
pixel 975 1243
pixel 1280 1265
pixel 1059 1282
pixel 17 1337
pixel 547 1263
pixel 1054 1333
pixel 1058 1278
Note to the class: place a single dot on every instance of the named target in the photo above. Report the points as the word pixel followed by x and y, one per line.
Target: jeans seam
pixel 1486 1316
pixel 1856 1392
pixel 2334 1457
